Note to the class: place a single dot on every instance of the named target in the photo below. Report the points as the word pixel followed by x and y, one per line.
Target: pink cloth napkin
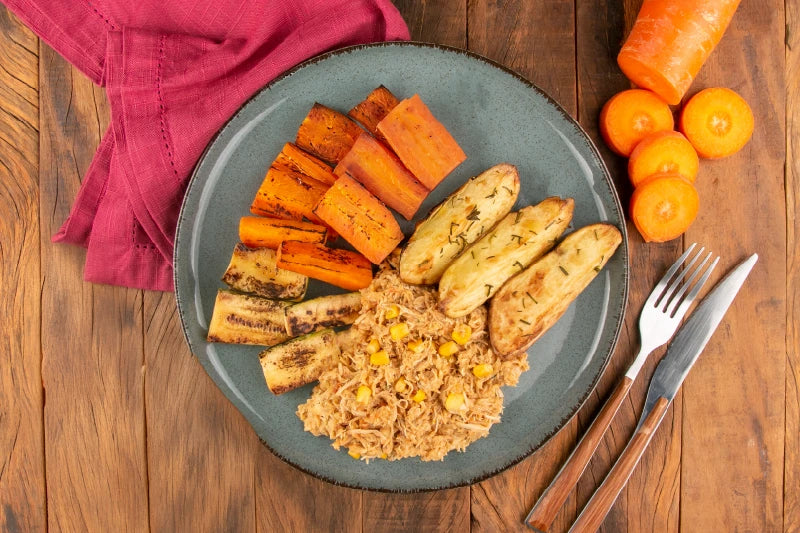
pixel 174 72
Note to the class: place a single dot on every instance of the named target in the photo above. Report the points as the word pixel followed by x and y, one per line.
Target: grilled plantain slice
pixel 256 271
pixel 457 222
pixel 299 361
pixel 533 300
pixel 246 319
pixel 517 241
pixel 323 312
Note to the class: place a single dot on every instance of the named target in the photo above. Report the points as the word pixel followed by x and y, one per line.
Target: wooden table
pixel 107 422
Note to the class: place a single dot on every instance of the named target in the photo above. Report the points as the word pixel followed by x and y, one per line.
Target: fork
pixel 659 319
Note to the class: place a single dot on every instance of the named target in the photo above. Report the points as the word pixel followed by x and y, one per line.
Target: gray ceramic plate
pixel 496 116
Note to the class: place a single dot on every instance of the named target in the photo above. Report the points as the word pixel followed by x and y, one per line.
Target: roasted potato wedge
pixel 299 361
pixel 533 300
pixel 256 271
pixel 457 222
pixel 517 241
pixel 245 319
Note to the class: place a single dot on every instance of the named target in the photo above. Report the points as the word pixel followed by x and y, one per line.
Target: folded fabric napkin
pixel 174 72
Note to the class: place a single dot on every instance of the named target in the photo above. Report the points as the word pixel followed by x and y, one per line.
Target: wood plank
pixel 22 484
pixel 441 22
pixel 91 335
pixel 650 501
pixel 733 400
pixel 200 449
pixel 538 41
pixel 791 476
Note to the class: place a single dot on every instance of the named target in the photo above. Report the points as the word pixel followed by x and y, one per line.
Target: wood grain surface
pixel 107 422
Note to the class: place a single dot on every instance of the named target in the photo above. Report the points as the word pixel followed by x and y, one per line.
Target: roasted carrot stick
pixel 288 195
pixel 297 160
pixel 360 218
pixel 374 108
pixel 373 165
pixel 630 116
pixel 343 268
pixel 663 207
pixel 260 232
pixel 326 133
pixel 663 152
pixel 671 40
pixel 718 122
pixel 421 142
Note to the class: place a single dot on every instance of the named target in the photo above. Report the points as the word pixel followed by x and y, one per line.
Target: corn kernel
pixel 400 385
pixel 392 312
pixel 419 396
pixel 448 349
pixel 416 346
pixel 354 455
pixel 379 358
pixel 373 346
pixel 384 456
pixel 482 371
pixel 399 331
pixel 455 402
pixel 363 394
pixel 462 333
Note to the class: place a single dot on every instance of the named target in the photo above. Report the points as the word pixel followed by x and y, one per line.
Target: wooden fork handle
pixel 544 512
pixel 596 510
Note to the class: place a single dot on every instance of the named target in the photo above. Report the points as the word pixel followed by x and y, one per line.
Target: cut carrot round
pixel 663 207
pixel 663 152
pixel 632 115
pixel 718 122
pixel 670 41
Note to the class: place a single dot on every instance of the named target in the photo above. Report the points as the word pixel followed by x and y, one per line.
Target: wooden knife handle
pixel 544 512
pixel 596 510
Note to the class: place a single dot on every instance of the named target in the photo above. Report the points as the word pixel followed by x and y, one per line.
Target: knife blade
pixel 693 336
pixel 667 379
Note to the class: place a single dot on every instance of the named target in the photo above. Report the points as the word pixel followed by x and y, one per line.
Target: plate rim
pixel 606 176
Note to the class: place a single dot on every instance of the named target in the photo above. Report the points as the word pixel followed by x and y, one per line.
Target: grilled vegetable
pixel 323 312
pixel 260 232
pixel 256 271
pixel 343 268
pixel 374 166
pixel 297 160
pixel 421 142
pixel 245 319
pixel 533 300
pixel 517 241
pixel 326 133
pixel 286 194
pixel 360 218
pixel 299 361
pixel 374 108
pixel 457 222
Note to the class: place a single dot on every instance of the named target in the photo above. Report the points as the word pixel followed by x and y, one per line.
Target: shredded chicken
pixel 390 424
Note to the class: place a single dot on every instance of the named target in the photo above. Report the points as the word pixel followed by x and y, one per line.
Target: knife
pixel 667 379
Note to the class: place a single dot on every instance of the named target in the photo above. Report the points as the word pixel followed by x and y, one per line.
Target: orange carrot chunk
pixel 663 152
pixel 326 133
pixel 670 41
pixel 360 218
pixel 259 232
pixel 421 142
pixel 663 207
pixel 630 116
pixel 288 195
pixel 718 122
pixel 374 108
pixel 342 268
pixel 297 160
pixel 374 166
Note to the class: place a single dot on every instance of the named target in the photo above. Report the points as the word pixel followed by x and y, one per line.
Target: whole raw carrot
pixel 671 40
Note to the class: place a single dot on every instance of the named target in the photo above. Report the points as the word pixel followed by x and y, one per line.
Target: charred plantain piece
pixel 299 361
pixel 246 319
